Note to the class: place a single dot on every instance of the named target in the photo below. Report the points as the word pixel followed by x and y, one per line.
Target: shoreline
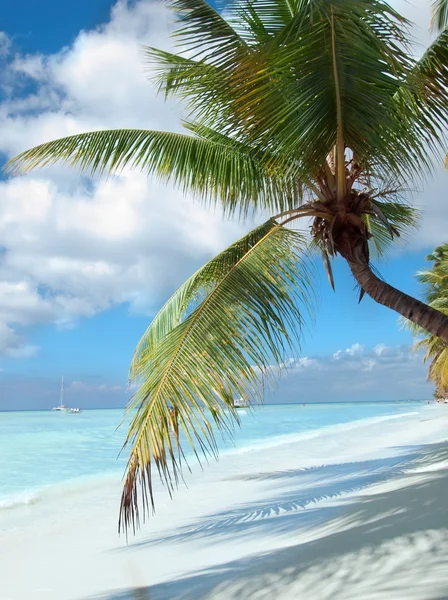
pixel 36 494
pixel 282 522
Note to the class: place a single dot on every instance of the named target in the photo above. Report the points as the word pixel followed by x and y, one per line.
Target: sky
pixel 84 265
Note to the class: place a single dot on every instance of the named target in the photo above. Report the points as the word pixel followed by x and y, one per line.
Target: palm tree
pixel 436 282
pixel 308 109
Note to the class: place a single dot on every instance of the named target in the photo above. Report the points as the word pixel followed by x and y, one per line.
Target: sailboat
pixel 61 406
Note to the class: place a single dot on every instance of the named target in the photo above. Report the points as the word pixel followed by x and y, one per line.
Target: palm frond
pixel 192 292
pixel 414 329
pixel 276 81
pixel 438 371
pixel 437 353
pixel 432 67
pixel 436 295
pixel 242 310
pixel 219 170
pixel 439 18
pixel 174 73
pixel 401 219
pixel 204 33
pixel 286 90
pixel 425 95
pixel 328 268
pixel 436 279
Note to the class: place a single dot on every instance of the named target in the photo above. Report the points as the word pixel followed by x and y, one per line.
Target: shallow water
pixel 43 449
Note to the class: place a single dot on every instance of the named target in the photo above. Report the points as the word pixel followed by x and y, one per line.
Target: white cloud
pixel 70 248
pixel 13 345
pixel 5 43
pixel 353 350
pixel 354 373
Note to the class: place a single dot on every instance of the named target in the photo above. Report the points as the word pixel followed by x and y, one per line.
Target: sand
pixel 358 514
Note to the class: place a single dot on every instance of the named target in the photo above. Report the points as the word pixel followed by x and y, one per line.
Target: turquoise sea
pixel 42 449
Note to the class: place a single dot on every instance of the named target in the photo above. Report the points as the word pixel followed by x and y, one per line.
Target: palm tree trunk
pixel 419 313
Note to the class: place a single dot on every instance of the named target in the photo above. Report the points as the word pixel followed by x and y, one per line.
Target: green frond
pixel 192 292
pixel 439 18
pixel 436 295
pixel 328 268
pixel 286 90
pixel 243 309
pixel 216 171
pixel 432 67
pixel 402 219
pixel 437 352
pixel 273 85
pixel 174 73
pixel 441 303
pixel 436 278
pixel 432 278
pixel 415 331
pixel 421 344
pixel 203 87
pixel 438 370
pixel 439 255
pixel 210 48
pixel 425 96
pixel 204 33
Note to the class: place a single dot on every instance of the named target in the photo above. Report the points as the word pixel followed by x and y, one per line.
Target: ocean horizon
pixel 298 403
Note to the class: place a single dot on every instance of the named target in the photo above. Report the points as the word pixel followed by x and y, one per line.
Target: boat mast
pixel 62 392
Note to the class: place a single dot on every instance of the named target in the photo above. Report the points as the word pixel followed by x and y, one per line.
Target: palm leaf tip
pixel 439 19
pixel 245 308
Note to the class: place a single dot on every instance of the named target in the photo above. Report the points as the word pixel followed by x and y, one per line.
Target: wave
pixel 60 489
pixel 20 499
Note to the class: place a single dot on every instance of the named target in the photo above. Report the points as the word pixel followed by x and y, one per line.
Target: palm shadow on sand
pixel 369 550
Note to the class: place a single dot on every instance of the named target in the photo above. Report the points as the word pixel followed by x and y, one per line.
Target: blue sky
pixel 84 266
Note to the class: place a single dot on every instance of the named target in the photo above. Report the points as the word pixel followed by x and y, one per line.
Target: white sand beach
pixel 365 517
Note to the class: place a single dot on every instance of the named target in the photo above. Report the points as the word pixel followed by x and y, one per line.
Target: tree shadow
pixel 298 507
pixel 389 545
